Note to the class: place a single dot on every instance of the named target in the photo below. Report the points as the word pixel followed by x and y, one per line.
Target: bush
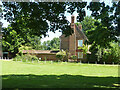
pixel 107 55
pixel 20 49
pixel 91 58
pixel 25 57
pixel 61 55
pixel 112 54
pixel 74 57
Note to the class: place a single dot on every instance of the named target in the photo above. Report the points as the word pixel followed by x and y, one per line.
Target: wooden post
pixel 95 62
pixel 88 62
pixel 45 59
pixel 80 62
pixel 66 62
pixel 104 63
pixel 51 61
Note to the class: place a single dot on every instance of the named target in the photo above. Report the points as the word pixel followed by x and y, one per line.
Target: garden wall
pixel 46 56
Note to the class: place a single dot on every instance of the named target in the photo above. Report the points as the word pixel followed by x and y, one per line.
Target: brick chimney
pixel 80 27
pixel 72 19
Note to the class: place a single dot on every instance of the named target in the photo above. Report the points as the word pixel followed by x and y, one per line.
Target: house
pixel 72 42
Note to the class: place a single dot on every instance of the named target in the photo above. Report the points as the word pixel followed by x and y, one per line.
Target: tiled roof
pixel 38 51
pixel 81 33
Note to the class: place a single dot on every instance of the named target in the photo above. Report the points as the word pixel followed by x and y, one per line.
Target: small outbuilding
pixel 43 54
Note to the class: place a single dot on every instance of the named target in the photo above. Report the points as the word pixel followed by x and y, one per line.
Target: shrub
pixel 84 48
pixel 60 55
pixel 74 57
pixel 20 49
pixel 112 54
pixel 25 57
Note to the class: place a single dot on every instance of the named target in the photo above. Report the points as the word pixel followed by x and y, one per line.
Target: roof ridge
pixel 81 32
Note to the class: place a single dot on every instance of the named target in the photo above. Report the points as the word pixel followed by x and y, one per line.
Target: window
pixel 80 43
pixel 80 54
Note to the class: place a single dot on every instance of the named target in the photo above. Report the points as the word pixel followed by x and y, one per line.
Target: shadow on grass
pixel 57 81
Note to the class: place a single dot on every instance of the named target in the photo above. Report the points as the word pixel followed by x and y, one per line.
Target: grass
pixel 58 75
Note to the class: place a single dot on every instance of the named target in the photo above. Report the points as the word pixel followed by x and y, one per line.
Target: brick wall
pixel 48 56
pixel 72 44
pixel 64 43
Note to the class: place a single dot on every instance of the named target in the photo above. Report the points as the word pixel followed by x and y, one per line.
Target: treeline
pixel 12 41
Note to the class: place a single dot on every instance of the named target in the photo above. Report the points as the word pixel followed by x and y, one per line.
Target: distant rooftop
pixel 39 51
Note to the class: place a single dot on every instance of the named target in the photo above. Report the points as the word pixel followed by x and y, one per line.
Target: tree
pixel 11 40
pixel 87 24
pixel 34 42
pixel 46 45
pixel 61 55
pixel 33 18
pixel 54 44
pixel 109 17
pixel 111 54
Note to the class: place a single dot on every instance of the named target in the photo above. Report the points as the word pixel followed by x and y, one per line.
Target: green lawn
pixel 58 75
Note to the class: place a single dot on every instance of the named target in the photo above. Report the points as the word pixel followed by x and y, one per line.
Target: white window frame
pixel 79 43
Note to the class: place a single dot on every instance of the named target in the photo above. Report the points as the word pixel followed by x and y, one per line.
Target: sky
pixel 68 16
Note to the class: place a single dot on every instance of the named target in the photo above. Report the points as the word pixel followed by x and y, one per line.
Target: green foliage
pixel 84 48
pixel 31 18
pixel 112 54
pixel 11 40
pixel 34 16
pixel 46 45
pixel 61 55
pixel 20 49
pixel 54 44
pixel 87 24
pixel 34 42
pixel 24 48
pixel 45 58
pixel 93 49
pixel 74 57
pixel 25 16
pixel 25 58
pixel 108 55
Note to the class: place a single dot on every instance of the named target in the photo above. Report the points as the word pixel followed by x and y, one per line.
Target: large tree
pixel 11 40
pixel 88 24
pixel 36 18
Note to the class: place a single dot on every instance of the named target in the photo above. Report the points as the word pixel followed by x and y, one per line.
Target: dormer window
pixel 80 43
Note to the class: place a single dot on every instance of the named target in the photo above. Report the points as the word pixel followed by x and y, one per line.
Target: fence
pixel 51 61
